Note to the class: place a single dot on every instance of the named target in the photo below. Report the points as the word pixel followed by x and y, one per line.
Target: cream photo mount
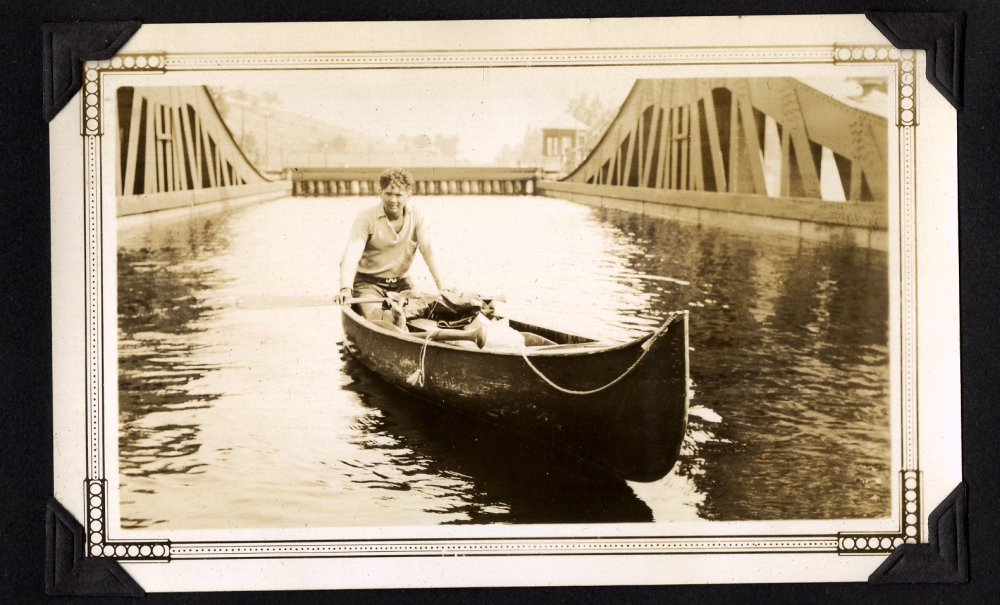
pixel 853 553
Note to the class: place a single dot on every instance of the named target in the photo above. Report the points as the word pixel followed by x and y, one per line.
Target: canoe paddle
pixel 312 300
pixel 288 302
pixel 653 277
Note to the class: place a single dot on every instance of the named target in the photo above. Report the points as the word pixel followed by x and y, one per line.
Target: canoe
pixel 634 427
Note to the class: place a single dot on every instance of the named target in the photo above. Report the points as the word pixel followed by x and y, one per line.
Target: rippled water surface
pixel 235 417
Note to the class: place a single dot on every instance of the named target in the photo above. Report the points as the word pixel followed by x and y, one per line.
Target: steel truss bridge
pixel 762 146
pixel 175 152
pixel 775 137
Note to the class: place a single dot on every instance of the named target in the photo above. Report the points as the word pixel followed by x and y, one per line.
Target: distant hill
pixel 273 139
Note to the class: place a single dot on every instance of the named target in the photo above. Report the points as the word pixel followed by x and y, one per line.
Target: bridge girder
pixel 768 136
pixel 171 138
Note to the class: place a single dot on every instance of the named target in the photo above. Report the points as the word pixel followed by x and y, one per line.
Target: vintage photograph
pixel 596 298
pixel 496 303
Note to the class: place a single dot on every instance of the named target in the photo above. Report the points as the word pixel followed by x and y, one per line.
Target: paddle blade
pixel 284 302
pixel 653 277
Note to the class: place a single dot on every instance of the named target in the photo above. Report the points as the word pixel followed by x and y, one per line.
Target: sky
pixel 486 107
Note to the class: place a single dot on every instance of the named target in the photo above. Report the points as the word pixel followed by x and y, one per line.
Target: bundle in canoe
pixel 620 405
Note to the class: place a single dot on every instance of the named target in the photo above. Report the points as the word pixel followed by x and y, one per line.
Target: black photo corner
pixel 44 45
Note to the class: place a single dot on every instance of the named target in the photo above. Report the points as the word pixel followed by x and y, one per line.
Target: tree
pixel 218 95
pixel 531 148
pixel 271 99
pixel 446 146
pixel 506 153
pixel 251 149
pixel 588 110
pixel 592 112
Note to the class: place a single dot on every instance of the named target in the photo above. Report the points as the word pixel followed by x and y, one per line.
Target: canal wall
pixel 814 220
pixel 140 215
pixel 129 205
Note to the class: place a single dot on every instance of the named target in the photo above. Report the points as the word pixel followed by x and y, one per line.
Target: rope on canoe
pixel 417 377
pixel 645 349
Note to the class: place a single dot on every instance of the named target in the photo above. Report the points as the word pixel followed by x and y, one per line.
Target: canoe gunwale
pixel 413 338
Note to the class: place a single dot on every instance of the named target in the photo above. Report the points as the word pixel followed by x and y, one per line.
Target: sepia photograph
pixel 346 303
pixel 542 348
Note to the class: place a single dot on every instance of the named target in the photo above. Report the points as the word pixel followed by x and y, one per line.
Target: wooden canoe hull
pixel 634 428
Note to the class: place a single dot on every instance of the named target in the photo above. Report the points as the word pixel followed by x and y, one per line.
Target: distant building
pixel 562 145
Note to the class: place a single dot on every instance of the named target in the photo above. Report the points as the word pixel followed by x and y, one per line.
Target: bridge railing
pixel 767 136
pixel 452 180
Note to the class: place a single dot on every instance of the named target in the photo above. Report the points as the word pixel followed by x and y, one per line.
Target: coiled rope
pixel 645 350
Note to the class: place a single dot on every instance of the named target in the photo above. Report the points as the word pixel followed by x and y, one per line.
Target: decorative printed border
pixel 905 60
pixel 884 543
pixel 96 495
pixel 505 547
pixel 92 130
pixel 96 487
pixel 500 58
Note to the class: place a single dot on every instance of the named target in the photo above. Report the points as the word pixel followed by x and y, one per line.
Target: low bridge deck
pixel 438 180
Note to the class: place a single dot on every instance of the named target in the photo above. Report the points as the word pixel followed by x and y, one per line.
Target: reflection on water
pixel 494 475
pixel 257 418
pixel 158 307
pixel 790 351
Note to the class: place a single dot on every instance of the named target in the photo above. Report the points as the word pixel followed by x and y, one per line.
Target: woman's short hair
pixel 397 177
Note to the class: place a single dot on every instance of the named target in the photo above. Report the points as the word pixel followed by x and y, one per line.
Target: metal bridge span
pixel 176 155
pixel 722 151
pixel 776 151
pixel 714 151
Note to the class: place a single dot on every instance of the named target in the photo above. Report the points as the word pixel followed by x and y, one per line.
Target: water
pixel 243 418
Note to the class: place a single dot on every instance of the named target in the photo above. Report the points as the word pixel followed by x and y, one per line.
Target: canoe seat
pixel 530 339
pixel 555 336
pixel 422 325
pixel 574 345
pixel 534 340
pixel 388 325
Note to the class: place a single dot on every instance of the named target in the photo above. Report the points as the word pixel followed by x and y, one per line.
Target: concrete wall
pixel 864 223
pixel 156 202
